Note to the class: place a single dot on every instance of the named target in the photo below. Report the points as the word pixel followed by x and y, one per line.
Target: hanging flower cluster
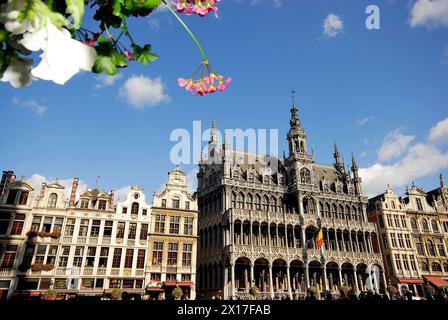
pixel 209 81
pixel 53 29
pixel 199 7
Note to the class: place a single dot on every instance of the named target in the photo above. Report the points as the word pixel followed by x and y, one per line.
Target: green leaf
pixel 76 9
pixel 105 63
pixel 117 7
pixel 119 60
pixel 142 4
pixel 105 60
pixel 3 35
pixel 144 55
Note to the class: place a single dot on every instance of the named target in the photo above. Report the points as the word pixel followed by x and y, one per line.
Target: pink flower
pixel 128 55
pixel 208 83
pixel 199 7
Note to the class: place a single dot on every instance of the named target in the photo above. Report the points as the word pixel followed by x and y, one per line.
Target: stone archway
pixel 242 274
pixel 279 275
pixel 315 274
pixel 334 283
pixel 261 274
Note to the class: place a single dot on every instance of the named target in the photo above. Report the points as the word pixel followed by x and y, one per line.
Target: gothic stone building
pixel 258 228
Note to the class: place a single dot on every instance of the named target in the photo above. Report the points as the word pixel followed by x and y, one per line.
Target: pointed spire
pixel 336 154
pixel 201 158
pixel 339 164
pixel 354 166
pixel 213 132
pixel 442 181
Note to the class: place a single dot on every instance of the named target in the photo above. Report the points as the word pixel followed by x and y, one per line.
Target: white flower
pixel 62 56
pixel 18 72
pixel 9 12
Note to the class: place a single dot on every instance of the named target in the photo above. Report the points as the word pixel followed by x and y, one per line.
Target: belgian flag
pixel 320 239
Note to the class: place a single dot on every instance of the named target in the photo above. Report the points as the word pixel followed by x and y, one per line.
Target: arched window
pixel 425 267
pixel 312 206
pixel 327 210
pixel 341 212
pixel 281 205
pixel 308 206
pixel 436 267
pixel 321 209
pixel 241 200
pixel 249 201
pixel 347 213
pixel 273 204
pixel 134 208
pixel 435 227
pixel 334 214
pixel 233 200
pixel 265 203
pixel 425 226
pixel 257 202
pixel 305 176
pixel 354 213
pixel 414 224
pixel 431 249
pixel 52 200
pixel 392 204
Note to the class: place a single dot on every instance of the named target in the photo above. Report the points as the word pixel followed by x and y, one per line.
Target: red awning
pixel 170 283
pixel 185 283
pixel 437 281
pixel 154 289
pixel 412 281
pixel 35 294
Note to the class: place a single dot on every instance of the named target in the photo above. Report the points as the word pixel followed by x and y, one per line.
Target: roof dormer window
pixel 52 200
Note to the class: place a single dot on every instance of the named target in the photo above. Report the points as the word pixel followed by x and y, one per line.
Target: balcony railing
pixel 105 240
pixel 5 272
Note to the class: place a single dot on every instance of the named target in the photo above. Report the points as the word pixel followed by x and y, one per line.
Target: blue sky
pixel 378 93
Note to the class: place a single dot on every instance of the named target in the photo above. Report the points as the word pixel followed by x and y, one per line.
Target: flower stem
pixel 204 57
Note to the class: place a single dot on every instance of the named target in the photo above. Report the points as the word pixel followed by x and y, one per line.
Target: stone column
pixel 251 234
pixel 366 245
pixel 293 236
pixel 351 241
pixel 271 285
pixel 324 272
pixel 337 240
pixel 252 280
pixel 302 237
pixel 356 280
pixel 307 277
pixel 340 276
pixel 226 283
pixel 289 281
pixel 232 283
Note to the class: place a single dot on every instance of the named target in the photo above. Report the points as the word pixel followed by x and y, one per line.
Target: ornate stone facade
pixel 414 236
pixel 257 227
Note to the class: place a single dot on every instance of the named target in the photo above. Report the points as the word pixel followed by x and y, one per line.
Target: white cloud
pixel 394 145
pixel 121 194
pixel 363 154
pixel 104 80
pixel 192 181
pixel 439 133
pixel 141 92
pixel 418 160
pixel 276 3
pixel 154 24
pixel 429 13
pixel 363 121
pixel 333 26
pixel 32 105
